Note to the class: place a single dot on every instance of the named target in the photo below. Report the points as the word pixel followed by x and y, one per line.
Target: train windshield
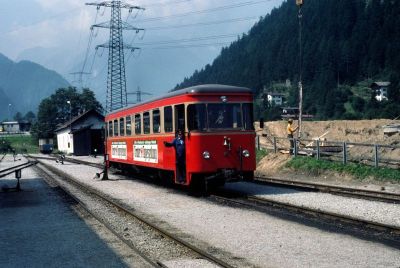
pixel 232 116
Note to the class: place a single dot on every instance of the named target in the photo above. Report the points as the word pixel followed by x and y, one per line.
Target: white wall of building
pixel 65 142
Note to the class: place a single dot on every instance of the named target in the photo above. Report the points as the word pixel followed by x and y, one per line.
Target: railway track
pixel 390 233
pixel 337 190
pixel 130 211
pixel 257 202
pixel 10 170
pixel 325 188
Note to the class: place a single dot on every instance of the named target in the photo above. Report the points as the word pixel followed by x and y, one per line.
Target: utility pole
pixel 116 81
pixel 299 4
pixel 139 94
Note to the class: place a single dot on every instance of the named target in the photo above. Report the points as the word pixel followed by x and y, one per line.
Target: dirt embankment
pixel 361 131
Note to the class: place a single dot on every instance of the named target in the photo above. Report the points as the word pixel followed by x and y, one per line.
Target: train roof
pixel 208 88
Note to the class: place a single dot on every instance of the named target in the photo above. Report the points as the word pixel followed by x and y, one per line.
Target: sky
pixel 171 26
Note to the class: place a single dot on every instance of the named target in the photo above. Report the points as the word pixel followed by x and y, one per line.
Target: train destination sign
pixel 118 150
pixel 145 151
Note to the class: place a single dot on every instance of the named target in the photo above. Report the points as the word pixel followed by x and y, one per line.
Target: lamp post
pixel 9 111
pixel 70 109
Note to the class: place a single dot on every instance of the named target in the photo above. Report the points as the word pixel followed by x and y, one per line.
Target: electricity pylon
pixel 116 81
pixel 139 94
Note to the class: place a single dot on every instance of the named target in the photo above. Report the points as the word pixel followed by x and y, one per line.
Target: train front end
pixel 221 137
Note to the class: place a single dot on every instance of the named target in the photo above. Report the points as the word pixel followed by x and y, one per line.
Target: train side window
pixel 138 124
pixel 247 109
pixel 146 123
pixel 168 119
pixel 156 121
pixel 115 128
pixel 128 126
pixel 197 119
pixel 110 129
pixel 122 126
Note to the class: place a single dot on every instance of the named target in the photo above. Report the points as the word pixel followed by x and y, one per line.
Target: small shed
pixel 380 90
pixel 83 135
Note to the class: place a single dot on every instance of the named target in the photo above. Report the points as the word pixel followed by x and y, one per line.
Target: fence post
pixel 275 148
pixel 318 151
pixel 344 153
pixel 376 157
pixel 258 143
pixel 295 147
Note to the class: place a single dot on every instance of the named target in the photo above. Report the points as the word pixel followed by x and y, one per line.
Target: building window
pixel 115 127
pixel 121 127
pixel 146 123
pixel 138 124
pixel 156 121
pixel 128 126
pixel 168 119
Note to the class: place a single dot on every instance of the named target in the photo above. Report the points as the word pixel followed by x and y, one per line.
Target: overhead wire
pixel 202 23
pixel 220 8
pixel 202 38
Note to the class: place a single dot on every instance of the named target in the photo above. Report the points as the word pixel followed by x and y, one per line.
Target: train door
pixel 180 174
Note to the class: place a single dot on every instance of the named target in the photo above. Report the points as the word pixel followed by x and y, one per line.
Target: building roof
pixel 77 118
pixel 275 94
pixel 380 84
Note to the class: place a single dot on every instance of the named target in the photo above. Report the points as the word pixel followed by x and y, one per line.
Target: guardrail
pixel 365 153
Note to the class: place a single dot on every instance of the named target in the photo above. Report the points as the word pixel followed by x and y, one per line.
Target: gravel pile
pixel 263 240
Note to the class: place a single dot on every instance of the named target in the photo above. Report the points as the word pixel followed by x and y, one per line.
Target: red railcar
pixel 219 136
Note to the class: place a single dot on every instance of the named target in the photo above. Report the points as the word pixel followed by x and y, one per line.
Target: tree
pixel 18 117
pixel 55 110
pixel 29 116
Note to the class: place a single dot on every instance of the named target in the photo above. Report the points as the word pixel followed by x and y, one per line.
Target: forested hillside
pixel 24 85
pixel 346 45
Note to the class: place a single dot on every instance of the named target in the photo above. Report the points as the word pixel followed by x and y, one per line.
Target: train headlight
pixel 245 153
pixel 206 155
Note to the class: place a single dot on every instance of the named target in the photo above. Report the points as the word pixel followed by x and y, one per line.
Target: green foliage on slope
pixel 344 42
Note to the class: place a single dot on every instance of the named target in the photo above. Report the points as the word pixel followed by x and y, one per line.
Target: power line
pixel 189 39
pixel 202 23
pixel 193 45
pixel 248 3
pixel 159 4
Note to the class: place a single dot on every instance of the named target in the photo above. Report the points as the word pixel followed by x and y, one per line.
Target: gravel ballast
pixel 262 239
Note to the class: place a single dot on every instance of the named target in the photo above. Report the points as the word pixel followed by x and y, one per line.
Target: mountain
pixel 343 42
pixel 24 85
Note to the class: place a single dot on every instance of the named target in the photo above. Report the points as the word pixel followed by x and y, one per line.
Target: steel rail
pixel 11 170
pixel 372 225
pixel 68 159
pixel 332 189
pixel 99 219
pixel 131 212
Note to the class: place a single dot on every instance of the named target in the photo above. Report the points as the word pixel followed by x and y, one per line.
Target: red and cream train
pixel 217 122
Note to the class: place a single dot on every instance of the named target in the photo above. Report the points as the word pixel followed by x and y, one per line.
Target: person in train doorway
pixel 179 144
pixel 290 130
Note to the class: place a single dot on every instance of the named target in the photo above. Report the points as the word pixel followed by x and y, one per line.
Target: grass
pixel 260 154
pixel 22 144
pixel 359 171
